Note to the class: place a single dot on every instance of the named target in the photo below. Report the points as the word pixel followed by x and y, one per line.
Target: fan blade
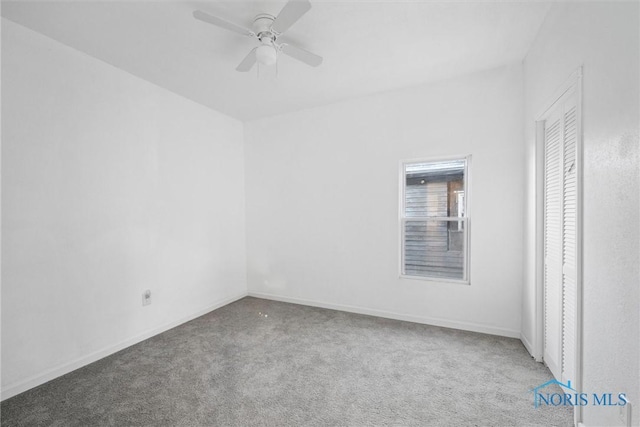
pixel 248 61
pixel 302 55
pixel 289 14
pixel 205 17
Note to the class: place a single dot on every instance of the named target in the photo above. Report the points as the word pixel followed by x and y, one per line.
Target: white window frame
pixel 466 280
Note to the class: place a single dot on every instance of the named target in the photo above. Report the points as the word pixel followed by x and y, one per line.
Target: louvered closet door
pixel 560 237
pixel 553 244
pixel 569 237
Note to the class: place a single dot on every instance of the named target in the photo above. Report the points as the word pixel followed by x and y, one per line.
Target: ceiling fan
pixel 267 29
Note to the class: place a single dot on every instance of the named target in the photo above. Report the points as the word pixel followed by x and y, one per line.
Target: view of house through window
pixel 434 220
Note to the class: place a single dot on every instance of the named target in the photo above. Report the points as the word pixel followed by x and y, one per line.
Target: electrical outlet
pixel 146 297
pixel 624 413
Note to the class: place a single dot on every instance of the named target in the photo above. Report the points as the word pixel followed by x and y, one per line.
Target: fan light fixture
pixel 266 55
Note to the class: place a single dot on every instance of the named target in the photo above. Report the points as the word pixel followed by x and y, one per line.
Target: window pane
pixel 434 189
pixel 434 249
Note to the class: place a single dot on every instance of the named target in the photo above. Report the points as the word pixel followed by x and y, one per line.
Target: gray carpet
pixel 265 363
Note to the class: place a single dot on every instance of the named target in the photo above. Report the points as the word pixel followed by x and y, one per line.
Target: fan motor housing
pixel 262 27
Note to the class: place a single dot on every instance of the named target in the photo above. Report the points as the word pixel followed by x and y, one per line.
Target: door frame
pixel 574 82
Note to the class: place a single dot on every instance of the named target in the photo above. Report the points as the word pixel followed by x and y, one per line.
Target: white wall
pixel 322 201
pixel 110 186
pixel 603 37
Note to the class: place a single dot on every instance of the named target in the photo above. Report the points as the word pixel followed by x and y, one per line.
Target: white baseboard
pixel 465 326
pixel 36 380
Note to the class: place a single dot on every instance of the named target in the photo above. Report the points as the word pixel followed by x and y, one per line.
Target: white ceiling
pixel 368 46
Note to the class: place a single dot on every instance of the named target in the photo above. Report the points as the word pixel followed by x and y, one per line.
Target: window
pixel 434 222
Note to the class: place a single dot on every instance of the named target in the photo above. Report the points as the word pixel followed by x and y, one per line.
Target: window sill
pixel 435 279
